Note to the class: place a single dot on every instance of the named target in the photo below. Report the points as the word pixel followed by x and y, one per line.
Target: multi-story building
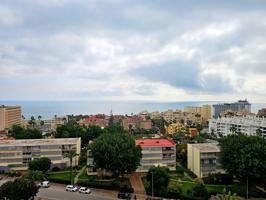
pixel 17 154
pixel 262 112
pixel 9 116
pixel 175 128
pixel 136 122
pixel 156 152
pixel 94 120
pixel 46 125
pixel 203 159
pixel 247 125
pixel 204 111
pixel 237 106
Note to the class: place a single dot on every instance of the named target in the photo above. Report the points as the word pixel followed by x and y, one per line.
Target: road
pixel 58 192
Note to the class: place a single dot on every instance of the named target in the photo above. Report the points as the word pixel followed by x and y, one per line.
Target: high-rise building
pixel 156 152
pixel 237 106
pixel 203 158
pixel 9 116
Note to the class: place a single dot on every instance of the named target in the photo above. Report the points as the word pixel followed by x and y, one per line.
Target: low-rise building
pixel 17 154
pixel 249 125
pixel 156 152
pixel 136 122
pixel 203 159
pixel 9 116
pixel 262 112
pixel 94 120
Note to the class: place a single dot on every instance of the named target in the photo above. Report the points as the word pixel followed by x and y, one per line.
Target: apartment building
pixel 9 116
pixel 237 106
pixel 228 125
pixel 136 122
pixel 16 154
pixel 175 128
pixel 156 152
pixel 204 111
pixel 203 159
pixel 262 112
pixel 95 120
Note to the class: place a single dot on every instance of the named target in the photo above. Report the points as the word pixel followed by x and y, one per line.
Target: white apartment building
pixel 17 154
pixel 228 125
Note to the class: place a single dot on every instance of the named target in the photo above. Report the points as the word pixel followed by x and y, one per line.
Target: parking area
pixel 57 191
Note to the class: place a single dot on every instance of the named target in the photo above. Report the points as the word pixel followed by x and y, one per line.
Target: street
pixel 59 192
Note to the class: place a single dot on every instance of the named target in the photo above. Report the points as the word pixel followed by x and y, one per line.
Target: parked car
pixel 71 188
pixel 44 184
pixel 84 190
pixel 124 195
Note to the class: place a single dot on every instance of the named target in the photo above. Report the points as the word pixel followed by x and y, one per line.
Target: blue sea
pixel 47 109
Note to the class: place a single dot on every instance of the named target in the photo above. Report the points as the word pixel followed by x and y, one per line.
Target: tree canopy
pixel 116 152
pixel 73 130
pixel 21 133
pixel 41 164
pixel 244 156
pixel 19 189
pixel 160 176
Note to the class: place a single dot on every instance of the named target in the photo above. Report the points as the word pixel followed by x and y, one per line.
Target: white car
pixel 71 188
pixel 44 184
pixel 84 190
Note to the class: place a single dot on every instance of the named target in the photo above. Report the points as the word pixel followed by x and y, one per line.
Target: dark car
pixel 124 195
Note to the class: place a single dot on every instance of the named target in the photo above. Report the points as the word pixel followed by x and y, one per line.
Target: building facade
pixel 156 152
pixel 247 125
pixel 17 154
pixel 204 111
pixel 9 116
pixel 237 106
pixel 203 159
pixel 136 122
pixel 175 128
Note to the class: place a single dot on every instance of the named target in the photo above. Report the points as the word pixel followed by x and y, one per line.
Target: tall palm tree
pixel 71 155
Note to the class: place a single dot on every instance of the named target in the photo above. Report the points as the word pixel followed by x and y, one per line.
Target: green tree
pixel 174 189
pixel 35 176
pixel 20 133
pixel 116 152
pixel 199 190
pixel 244 157
pixel 181 154
pixel 158 178
pixel 71 155
pixel 19 189
pixel 40 164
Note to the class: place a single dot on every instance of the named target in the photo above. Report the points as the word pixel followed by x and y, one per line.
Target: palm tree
pixel 71 155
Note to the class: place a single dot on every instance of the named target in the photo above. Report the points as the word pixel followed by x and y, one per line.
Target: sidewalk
pixel 136 183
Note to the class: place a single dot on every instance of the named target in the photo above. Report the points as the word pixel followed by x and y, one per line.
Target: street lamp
pixel 152 192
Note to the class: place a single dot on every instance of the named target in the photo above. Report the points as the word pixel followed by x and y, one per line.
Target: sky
pixel 133 50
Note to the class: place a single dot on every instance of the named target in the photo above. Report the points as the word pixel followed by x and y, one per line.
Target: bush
pixel 111 184
pixel 56 169
pixel 199 190
pixel 173 190
pixel 179 169
pixel 218 179
pixel 198 180
pixel 190 173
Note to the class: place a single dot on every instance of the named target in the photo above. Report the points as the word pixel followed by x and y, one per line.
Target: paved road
pixel 136 183
pixel 59 193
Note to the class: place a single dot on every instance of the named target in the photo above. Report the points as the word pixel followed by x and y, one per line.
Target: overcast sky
pixel 156 50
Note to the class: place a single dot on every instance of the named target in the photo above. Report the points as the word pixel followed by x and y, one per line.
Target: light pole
pixel 152 192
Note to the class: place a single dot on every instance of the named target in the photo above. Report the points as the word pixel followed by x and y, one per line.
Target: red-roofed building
pixel 156 152
pixel 95 120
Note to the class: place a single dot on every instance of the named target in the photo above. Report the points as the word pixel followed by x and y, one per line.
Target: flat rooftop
pixel 38 142
pixel 206 147
pixel 154 143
